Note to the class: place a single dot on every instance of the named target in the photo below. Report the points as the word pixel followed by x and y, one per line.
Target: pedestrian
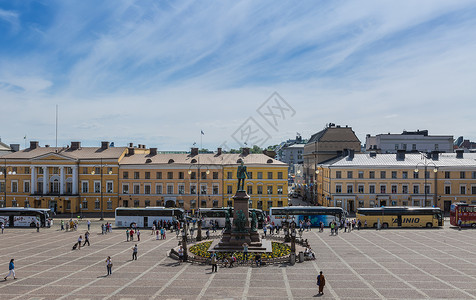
pixel 214 262
pixel 258 259
pixel 153 229
pixel 264 230
pixel 345 226
pixel 80 239
pixel 11 269
pixel 245 251
pixel 62 225
pixel 134 252
pixel 37 226
pixel 460 223
pixel 131 234
pixel 89 225
pixel 365 224
pixel 322 227
pixel 86 239
pixel 109 265
pixel 138 235
pixel 321 282
pixel 157 234
pixel 180 254
pixel 3 227
pixel 208 234
pixel 127 234
pixel 332 227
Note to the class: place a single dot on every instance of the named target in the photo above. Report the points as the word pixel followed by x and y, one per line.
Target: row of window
pixel 259 190
pixel 147 189
pixel 404 174
pixel 193 175
pixel 404 190
pixel 203 203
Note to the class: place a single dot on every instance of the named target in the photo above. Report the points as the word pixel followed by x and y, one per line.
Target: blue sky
pixel 158 72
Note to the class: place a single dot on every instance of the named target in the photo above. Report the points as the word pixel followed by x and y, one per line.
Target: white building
pixel 411 141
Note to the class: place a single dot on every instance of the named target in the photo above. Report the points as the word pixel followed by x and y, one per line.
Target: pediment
pixel 53 157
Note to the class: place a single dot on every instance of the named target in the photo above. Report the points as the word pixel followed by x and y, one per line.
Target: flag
pixel 201 131
pixel 194 143
pixel 24 137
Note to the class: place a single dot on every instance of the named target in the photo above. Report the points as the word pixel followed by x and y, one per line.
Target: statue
pixel 227 221
pixel 241 174
pixel 240 221
pixel 254 221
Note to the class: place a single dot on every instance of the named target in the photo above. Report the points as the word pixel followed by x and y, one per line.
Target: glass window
pixel 447 190
pixel 383 189
pixel 280 175
pixel 229 189
pixel 180 175
pixel 338 189
pixel 394 174
pixel 193 189
pixel 216 189
pixel 415 175
pixel 280 189
pixel 203 175
pixel 147 175
pixel 371 189
pixel 404 189
pixel 97 186
pixel 26 187
pixel 404 174
pixel 203 189
pixel 372 174
pixel 109 205
pixel 462 190
pixel 85 204
pixel 473 190
pixel 109 187
pixel 270 189
pixel 270 175
pixel 215 176
pixel 170 175
pixel 260 175
pixel 338 174
pixel 136 175
pixel 125 189
pixel 229 175
pixel 361 174
pixel 462 175
pixel 125 175
pixel 394 189
pixel 97 204
pixel 136 203
pixel 158 175
pixel 416 189
pixel 383 174
pixel 350 189
pixel 181 189
pixel 136 189
pixel 349 174
pixel 147 189
pixel 249 189
pixel 84 187
pixel 447 174
pixel 170 189
pixel 360 189
pixel 260 189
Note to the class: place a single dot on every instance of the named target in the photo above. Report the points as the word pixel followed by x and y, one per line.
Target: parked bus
pixel 145 217
pixel 316 214
pixel 24 217
pixel 400 216
pixel 212 216
pixel 464 212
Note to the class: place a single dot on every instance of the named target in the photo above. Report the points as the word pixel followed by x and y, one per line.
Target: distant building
pixel 410 141
pixel 292 155
pixel 467 145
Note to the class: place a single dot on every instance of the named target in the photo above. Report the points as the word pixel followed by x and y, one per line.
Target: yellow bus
pixel 400 217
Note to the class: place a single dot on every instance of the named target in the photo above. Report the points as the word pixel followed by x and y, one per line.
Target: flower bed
pixel 279 250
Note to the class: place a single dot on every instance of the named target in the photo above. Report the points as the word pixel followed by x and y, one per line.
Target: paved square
pixel 366 264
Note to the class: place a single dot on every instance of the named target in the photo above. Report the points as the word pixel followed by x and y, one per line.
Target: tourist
pixel 157 234
pixel 264 230
pixel 134 252
pixel 3 227
pixel 321 282
pixel 138 235
pixel 11 269
pixel 232 260
pixel 214 262
pixel 62 225
pixel 309 225
pixel 127 234
pixel 258 259
pixel 89 225
pixel 309 253
pixel 153 229
pixel 207 233
pixel 86 239
pixel 80 239
pixel 37 226
pixel 162 233
pixel 336 229
pixel 180 253
pixel 345 226
pixel 245 251
pixel 109 265
pixel 365 224
pixel 332 227
pixel 131 234
pixel 460 223
pixel 321 227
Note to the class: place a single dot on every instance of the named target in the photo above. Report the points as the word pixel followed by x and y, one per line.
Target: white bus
pixel 23 217
pixel 315 214
pixel 212 216
pixel 145 217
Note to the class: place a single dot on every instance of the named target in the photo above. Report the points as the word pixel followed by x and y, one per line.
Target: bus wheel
pixel 385 225
pixel 429 225
pixel 473 225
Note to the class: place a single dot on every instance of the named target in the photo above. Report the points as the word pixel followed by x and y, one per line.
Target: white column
pixel 61 180
pixel 75 180
pixel 33 179
pixel 45 180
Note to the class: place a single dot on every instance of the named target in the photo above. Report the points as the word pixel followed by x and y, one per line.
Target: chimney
pixel 15 147
pixel 351 154
pixel 139 146
pixel 104 145
pixel 219 151
pixel 373 154
pixel 131 145
pixel 459 153
pixel 245 151
pixel 194 151
pixel 34 144
pixel 345 152
pixel 75 145
pixel 434 155
pixel 401 154
pixel 143 147
pixel 47 146
pixel 153 151
pixel 130 151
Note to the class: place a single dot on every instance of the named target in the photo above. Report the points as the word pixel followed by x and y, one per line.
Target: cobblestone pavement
pixel 366 264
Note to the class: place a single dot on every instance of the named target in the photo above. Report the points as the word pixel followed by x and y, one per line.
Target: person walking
pixel 180 254
pixel 3 227
pixel 131 233
pixel 86 239
pixel 109 265
pixel 138 235
pixel 321 282
pixel 459 224
pixel 134 252
pixel 333 224
pixel 214 262
pixel 37 226
pixel 89 225
pixel 245 252
pixel 80 239
pixel 62 225
pixel 322 227
pixel 11 269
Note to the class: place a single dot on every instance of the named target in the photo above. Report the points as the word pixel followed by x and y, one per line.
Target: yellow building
pixel 408 179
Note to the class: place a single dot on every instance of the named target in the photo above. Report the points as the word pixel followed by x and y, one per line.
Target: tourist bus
pixel 315 214
pixel 400 216
pixel 464 212
pixel 145 216
pixel 210 216
pixel 24 217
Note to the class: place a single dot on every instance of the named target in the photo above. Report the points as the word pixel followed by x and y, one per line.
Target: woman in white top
pixel 109 265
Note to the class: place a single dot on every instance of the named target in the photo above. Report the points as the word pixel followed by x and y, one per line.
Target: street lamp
pixel 184 241
pixel 425 164
pixel 101 172
pixel 4 173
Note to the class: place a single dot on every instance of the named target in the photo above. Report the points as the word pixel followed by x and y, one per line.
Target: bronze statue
pixel 240 221
pixel 227 221
pixel 241 174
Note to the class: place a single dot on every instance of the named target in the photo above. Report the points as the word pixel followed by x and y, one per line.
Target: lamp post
pixel 184 241
pixel 199 191
pixel 292 257
pixel 101 172
pixel 4 173
pixel 425 164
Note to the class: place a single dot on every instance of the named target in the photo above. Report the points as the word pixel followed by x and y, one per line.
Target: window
pixel 147 189
pixel 68 204
pixel 361 174
pixel 125 188
pixel 27 170
pixel 260 175
pixel 270 204
pixel 338 174
pixel 250 175
pixel 14 186
pixel 203 175
pixel 280 203
pixel 170 175
pixel 109 204
pixel 427 174
pixel 259 204
pixel 427 189
pixel 229 175
pixel 180 175
pixel 2 187
pixel 193 189
pixel 473 190
pixel 181 189
pixel 404 189
pixel 229 189
pixel 383 189
pixel 216 190
pixel 136 189
pixel 269 189
pixel 372 174
pixel 158 203
pixel 109 170
pixel 280 175
pixel 193 175
pixel 447 190
pixel 249 189
pixel 270 175
pixel 158 189
pixel 371 189
pixel 203 189
pixel 125 175
pixel 260 190
pixel 215 175
pixel 85 170
pixel 447 174
pixel 215 203
pixel 158 175
pixel 85 204
pixel 97 170
pixel 147 175
pixel 462 189
pixel 473 175
pixel 136 175
pixel 416 189
pixel 338 189
pixel 349 174
pixel 462 175
pixel 97 186
pixel 415 175
pixel 280 189
pixel 350 189
pixel 97 204
pixel 360 189
pixel 383 174
pixel 405 174
pixel 394 174
pixel 170 189
pixel 229 203
pixel 136 203
pixel 109 187
pixel 394 189
pixel 26 186
pixel 361 203
pixel 85 187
